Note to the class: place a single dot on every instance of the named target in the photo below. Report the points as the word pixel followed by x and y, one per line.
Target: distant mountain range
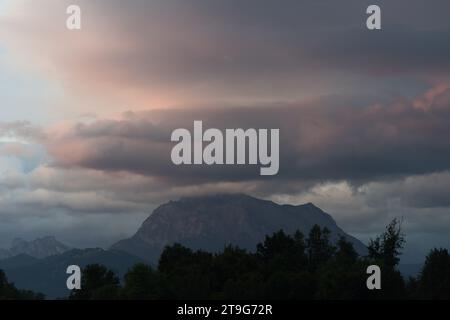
pixel 39 248
pixel 208 223
pixel 212 222
pixel 48 275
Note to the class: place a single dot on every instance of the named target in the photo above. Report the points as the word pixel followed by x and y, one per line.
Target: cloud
pixel 363 116
pixel 424 191
pixel 373 162
pixel 18 130
pixel 152 54
pixel 419 201
pixel 319 142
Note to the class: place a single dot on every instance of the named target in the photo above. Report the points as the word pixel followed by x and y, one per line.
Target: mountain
pixel 207 223
pixel 48 275
pixel 39 248
pixel 211 222
pixel 20 260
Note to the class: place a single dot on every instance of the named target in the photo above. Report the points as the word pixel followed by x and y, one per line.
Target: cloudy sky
pixel 86 116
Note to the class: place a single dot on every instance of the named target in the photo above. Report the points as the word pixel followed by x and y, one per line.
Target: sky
pixel 86 115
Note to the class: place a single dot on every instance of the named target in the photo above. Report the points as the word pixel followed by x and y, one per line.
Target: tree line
pixel 282 267
pixel 8 291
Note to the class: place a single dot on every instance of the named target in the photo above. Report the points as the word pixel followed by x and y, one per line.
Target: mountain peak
pixel 210 222
pixel 38 248
pixel 217 197
pixel 310 204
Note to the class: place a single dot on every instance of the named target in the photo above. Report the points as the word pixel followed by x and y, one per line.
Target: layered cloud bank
pixel 367 164
pixel 176 53
pixel 363 116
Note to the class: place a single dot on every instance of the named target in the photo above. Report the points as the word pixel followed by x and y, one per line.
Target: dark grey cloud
pixel 333 138
pixel 230 42
pixel 205 51
pixel 423 191
pixel 258 45
pixel 396 50
pixel 369 153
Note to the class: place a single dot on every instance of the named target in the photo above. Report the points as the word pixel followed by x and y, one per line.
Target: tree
pixel 290 285
pixel 274 245
pixel 281 252
pixel 388 246
pixel 232 264
pixel 346 253
pixel 97 283
pixel 249 286
pixel 9 292
pixel 320 249
pixel 434 280
pixel 385 251
pixel 343 277
pixel 185 274
pixel 141 283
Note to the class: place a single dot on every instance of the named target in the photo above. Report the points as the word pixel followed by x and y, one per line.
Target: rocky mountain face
pixel 211 222
pixel 207 223
pixel 39 248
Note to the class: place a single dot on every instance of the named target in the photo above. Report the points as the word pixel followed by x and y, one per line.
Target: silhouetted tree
pixel 343 276
pixel 385 251
pixel 141 283
pixel 250 285
pixel 185 274
pixel 345 252
pixel 281 252
pixel 434 280
pixel 9 292
pixel 230 265
pixel 387 247
pixel 283 267
pixel 412 288
pixel 320 249
pixel 97 283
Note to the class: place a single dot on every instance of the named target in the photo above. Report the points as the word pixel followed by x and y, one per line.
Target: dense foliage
pixel 283 267
pixel 9 292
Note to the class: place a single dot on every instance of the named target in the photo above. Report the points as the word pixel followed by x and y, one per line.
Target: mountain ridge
pixel 214 221
pixel 48 275
pixel 203 222
pixel 38 248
